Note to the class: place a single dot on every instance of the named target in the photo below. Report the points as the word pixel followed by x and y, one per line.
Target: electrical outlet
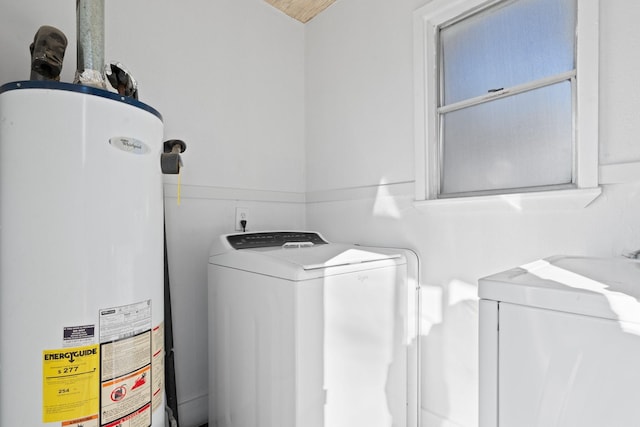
pixel 242 214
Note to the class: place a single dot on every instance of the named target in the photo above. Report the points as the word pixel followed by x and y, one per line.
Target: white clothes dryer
pixel 307 333
pixel 560 344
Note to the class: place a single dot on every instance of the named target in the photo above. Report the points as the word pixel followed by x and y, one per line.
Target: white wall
pixel 360 181
pixel 358 121
pixel 228 78
pixel 245 86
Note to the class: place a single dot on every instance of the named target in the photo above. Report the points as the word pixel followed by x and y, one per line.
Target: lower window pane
pixel 520 141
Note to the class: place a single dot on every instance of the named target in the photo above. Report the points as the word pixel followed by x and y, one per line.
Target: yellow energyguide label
pixel 70 383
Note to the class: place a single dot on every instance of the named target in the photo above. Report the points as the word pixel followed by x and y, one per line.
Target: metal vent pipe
pixel 90 43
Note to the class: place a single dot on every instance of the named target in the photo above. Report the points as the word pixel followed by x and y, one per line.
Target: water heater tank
pixel 81 258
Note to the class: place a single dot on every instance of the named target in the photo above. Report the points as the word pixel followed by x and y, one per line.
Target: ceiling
pixel 302 10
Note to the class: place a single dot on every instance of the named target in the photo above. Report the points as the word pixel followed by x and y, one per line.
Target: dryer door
pixel 569 370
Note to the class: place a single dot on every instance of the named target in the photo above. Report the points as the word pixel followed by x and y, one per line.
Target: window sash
pixel 493 95
pixel 493 180
pixel 485 50
pixel 504 92
pixel 428 19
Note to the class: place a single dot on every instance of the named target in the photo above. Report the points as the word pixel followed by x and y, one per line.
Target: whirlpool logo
pixel 130 145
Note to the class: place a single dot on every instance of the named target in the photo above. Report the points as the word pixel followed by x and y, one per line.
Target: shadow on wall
pixel 449 358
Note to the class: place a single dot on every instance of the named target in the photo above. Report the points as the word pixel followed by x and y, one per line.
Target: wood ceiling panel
pixel 302 10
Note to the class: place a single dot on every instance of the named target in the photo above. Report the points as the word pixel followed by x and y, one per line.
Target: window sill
pixel 521 202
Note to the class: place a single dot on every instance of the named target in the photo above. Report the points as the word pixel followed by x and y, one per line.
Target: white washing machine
pixel 560 344
pixel 307 333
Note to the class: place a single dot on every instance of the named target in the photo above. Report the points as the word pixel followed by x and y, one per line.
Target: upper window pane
pixel 505 46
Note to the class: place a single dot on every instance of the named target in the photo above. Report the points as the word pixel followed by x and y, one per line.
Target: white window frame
pixel 427 21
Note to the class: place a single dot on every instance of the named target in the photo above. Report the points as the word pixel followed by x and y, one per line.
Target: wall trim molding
pixel 619 173
pixel 393 189
pixel 190 409
pixel 226 193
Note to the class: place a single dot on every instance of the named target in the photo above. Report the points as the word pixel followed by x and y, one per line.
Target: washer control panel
pixel 273 239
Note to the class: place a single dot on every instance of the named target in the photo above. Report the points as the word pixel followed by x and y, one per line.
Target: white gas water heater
pixel 81 258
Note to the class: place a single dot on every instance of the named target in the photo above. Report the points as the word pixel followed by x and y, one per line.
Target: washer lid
pixel 600 287
pixel 330 255
pixel 308 262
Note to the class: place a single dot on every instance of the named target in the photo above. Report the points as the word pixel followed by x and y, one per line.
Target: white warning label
pixel 126 353
pixel 124 321
pixel 126 396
